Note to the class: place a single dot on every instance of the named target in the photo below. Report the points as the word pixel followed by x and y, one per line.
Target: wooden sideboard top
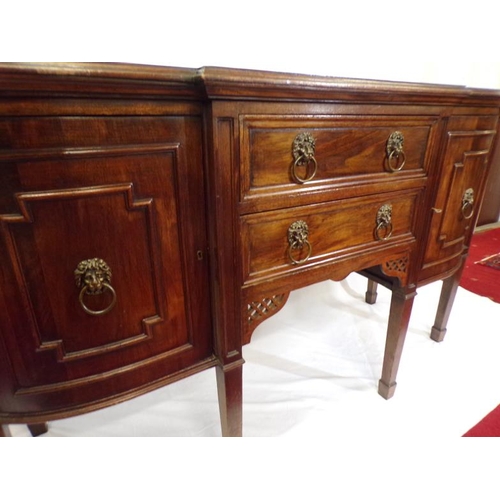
pixel 119 79
pixel 237 84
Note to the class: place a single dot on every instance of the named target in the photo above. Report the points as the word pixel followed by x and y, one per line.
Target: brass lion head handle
pixel 396 157
pixel 298 234
pixel 303 150
pixel 93 277
pixel 383 229
pixel 468 203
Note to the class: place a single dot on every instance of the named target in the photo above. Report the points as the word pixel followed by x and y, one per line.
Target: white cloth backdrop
pixel 312 370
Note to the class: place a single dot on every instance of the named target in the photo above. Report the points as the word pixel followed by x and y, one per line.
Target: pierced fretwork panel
pixel 397 268
pixel 258 311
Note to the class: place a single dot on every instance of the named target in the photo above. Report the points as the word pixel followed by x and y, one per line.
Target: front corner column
pixel 230 391
pixel 399 318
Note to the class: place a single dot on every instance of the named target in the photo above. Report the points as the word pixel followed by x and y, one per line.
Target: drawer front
pixel 101 277
pixel 277 243
pixel 292 154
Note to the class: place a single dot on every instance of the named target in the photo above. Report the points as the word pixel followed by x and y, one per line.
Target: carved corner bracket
pixel 258 311
pixel 397 268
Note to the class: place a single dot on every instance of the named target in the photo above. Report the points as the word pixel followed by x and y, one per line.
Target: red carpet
pixel 483 278
pixel 489 426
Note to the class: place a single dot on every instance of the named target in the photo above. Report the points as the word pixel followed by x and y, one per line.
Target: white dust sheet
pixel 312 371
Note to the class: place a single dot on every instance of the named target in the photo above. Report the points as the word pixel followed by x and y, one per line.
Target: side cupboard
pixel 151 218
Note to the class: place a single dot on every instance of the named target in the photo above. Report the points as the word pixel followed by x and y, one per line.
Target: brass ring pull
pixel 467 210
pixel 305 259
pixel 303 150
pixel 395 155
pixel 93 276
pixel 298 233
pixel 468 204
pixel 85 289
pixel 302 161
pixel 395 152
pixel 387 233
pixel 383 222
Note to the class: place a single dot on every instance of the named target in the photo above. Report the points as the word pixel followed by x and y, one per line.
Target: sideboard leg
pixel 371 292
pixel 4 431
pixel 38 429
pixel 399 318
pixel 448 293
pixel 229 388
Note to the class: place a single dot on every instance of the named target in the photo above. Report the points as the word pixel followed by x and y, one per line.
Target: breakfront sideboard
pixel 151 218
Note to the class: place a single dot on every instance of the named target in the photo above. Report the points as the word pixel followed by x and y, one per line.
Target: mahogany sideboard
pixel 151 218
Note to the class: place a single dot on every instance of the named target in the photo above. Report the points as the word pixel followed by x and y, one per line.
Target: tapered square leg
pixel 35 429
pixel 229 388
pixel 399 318
pixel 371 292
pixel 38 429
pixel 4 431
pixel 448 293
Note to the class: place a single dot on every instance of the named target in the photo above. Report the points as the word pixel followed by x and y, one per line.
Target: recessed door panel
pixel 101 274
pixel 456 206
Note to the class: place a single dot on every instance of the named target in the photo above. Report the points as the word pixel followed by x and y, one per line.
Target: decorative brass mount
pixel 298 232
pixel 395 151
pixel 468 203
pixel 383 229
pixel 93 276
pixel 303 150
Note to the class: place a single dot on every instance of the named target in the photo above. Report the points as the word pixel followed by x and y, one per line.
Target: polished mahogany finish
pixel 151 218
pixel 89 175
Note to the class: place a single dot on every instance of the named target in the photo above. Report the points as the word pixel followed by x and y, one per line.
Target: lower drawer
pixel 280 242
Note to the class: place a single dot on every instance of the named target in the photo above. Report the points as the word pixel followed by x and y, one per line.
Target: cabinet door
pixel 460 187
pixel 103 283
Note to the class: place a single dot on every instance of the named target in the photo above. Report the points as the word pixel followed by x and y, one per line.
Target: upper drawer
pixel 338 150
pixel 32 132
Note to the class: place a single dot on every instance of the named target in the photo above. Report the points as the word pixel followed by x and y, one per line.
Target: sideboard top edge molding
pixel 240 84
pixel 222 83
pixel 99 79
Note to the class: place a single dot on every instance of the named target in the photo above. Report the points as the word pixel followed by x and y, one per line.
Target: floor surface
pixel 312 371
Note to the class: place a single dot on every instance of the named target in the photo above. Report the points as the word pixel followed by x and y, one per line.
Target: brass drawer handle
pixel 468 203
pixel 395 152
pixel 298 232
pixel 383 229
pixel 93 276
pixel 303 149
